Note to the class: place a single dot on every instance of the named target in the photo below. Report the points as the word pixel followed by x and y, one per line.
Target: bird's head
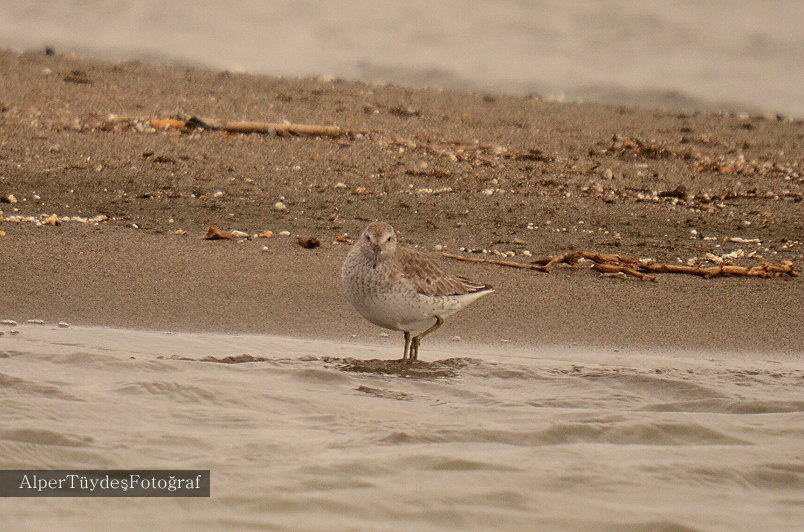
pixel 378 242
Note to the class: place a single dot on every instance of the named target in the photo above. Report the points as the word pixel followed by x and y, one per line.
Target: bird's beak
pixel 377 251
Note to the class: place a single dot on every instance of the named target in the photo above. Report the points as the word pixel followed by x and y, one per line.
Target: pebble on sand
pixel 9 322
pixel 308 242
pixel 35 322
pixel 63 324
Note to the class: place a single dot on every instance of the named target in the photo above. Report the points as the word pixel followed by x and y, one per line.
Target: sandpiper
pixel 402 289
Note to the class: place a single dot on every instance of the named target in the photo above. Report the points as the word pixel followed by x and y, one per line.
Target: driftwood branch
pixel 611 263
pixel 613 268
pixel 282 129
pixel 763 270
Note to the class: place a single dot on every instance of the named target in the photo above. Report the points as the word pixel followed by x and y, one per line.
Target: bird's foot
pixel 414 349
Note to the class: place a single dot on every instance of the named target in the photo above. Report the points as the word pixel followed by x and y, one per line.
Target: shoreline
pixel 248 347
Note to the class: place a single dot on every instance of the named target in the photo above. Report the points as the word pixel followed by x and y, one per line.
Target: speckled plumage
pixel 402 289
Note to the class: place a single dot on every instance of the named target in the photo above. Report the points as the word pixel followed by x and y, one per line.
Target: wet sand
pixel 129 278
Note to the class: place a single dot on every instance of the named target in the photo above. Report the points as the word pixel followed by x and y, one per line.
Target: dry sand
pixel 586 402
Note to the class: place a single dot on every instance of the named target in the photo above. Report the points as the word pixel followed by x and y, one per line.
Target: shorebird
pixel 402 289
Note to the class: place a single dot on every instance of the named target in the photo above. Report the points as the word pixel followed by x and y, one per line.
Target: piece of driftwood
pixel 613 268
pixel 509 263
pixel 550 262
pixel 283 129
pixel 763 270
pixel 612 263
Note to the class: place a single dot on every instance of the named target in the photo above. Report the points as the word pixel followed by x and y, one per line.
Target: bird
pixel 402 289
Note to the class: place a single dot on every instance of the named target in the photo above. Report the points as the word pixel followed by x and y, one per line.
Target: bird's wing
pixel 431 279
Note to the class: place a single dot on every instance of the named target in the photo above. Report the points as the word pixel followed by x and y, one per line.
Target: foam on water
pixel 302 434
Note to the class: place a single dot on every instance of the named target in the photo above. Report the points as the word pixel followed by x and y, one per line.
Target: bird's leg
pixel 414 346
pixel 406 353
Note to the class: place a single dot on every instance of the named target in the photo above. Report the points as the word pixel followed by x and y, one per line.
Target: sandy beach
pixel 673 187
pixel 567 400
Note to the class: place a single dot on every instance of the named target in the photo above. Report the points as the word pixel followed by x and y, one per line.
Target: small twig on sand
pixel 510 264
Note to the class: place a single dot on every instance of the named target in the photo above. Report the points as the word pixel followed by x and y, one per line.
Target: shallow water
pixel 307 435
